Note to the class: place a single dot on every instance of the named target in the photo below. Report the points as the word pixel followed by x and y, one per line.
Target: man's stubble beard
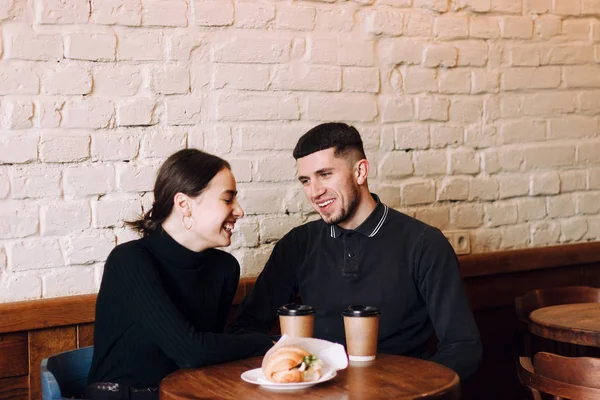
pixel 345 212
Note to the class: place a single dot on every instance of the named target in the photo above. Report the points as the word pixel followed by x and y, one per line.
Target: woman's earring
pixel 184 225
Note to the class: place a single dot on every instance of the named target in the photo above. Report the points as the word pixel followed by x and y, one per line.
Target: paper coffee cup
pixel 361 324
pixel 296 320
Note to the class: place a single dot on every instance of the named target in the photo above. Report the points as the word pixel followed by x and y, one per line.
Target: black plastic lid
pixel 360 311
pixel 294 310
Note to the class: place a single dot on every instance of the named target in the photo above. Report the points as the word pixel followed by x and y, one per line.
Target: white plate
pixel 257 377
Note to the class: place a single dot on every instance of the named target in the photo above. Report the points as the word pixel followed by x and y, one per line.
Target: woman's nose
pixel 238 212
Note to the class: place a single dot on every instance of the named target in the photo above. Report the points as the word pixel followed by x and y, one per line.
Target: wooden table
pixel 389 376
pixel 571 323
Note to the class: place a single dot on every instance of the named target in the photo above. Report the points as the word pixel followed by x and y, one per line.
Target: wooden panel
pixel 44 343
pixel 15 388
pixel 37 314
pixel 85 335
pixel 14 360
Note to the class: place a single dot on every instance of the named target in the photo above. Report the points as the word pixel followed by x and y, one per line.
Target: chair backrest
pixel 539 298
pixel 64 375
pixel 563 377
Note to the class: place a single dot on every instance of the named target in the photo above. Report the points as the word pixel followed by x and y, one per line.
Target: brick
pixel 135 177
pixel 253 15
pixel 274 228
pixel 433 108
pixel 64 147
pixel 588 153
pixel 510 158
pixel 549 155
pixel 485 240
pixel 417 191
pixel 15 80
pixel 480 136
pixel 566 7
pixel 548 26
pixel 123 236
pixel 357 79
pixel 69 281
pixel 467 216
pixel 463 161
pixel 218 140
pixel 545 233
pixel 34 254
pixel 4 183
pixel 295 17
pixel 388 194
pixel 91 113
pixel 252 49
pixel 582 76
pixel 567 55
pixel 117 12
pixel 538 6
pixel 89 179
pixel 466 109
pixel 593 224
pixel 410 137
pixel 395 109
pixel 162 143
pixel 114 146
pixel 484 28
pixel 507 6
pixel 252 261
pixel 590 7
pixel 18 220
pixel 484 81
pixel 20 287
pixel 483 188
pixel 91 46
pixel 512 186
pixel 18 114
pixel 444 135
pixel 246 107
pixel 515 237
pixel 497 57
pixel 241 77
pixel 385 21
pixel 263 200
pixel 560 206
pixel 245 234
pixel 572 230
pixel 170 79
pixel 531 209
pixel 531 78
pixel 241 169
pixel 111 210
pixel 417 80
pixel 345 52
pixel 66 79
pixel 577 29
pixel 181 46
pixel 573 127
pixel 164 13
pixel 342 107
pixel 589 102
pixel 63 217
pixel 269 137
pixel 33 181
pixel 451 28
pixel 135 112
pixel 548 103
pixel 544 183
pixel 338 19
pixel 183 110
pixel 432 162
pixel 516 27
pixel 522 131
pixel 275 169
pixel 472 53
pixel 500 213
pixel 400 51
pixel 17 149
pixel 525 56
pixel 418 24
pixel 396 165
pixel 587 203
pixel 122 81
pixel 455 81
pixel 596 31
pixel 453 188
pixel 61 12
pixel 25 44
pixel 140 45
pixel 213 13
pixel 307 78
pixel 593 178
pixel 478 6
pixel 436 55
pixel 571 181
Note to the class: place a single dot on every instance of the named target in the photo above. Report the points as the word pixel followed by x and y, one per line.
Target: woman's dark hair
pixel 187 171
pixel 344 138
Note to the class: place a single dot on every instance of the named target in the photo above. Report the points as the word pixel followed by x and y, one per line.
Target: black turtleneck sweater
pixel 162 307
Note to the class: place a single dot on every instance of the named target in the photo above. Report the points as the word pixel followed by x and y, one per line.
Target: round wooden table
pixel 389 376
pixel 571 323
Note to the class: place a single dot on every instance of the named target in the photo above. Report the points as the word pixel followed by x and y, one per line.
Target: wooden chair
pixel 561 377
pixel 540 298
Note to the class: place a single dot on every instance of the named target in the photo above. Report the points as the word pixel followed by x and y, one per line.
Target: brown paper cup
pixel 361 325
pixel 296 320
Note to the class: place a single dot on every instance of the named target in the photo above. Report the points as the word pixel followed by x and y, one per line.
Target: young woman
pixel 164 298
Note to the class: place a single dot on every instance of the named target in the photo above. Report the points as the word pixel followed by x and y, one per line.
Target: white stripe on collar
pixel 332 232
pixel 381 221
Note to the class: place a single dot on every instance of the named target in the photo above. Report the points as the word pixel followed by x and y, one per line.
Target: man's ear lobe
pixel 362 171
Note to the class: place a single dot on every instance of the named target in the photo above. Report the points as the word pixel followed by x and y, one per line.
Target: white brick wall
pixel 477 114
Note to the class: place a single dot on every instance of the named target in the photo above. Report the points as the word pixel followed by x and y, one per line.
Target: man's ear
pixel 181 204
pixel 362 171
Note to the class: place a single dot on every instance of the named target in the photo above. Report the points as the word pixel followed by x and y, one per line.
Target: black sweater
pixel 162 307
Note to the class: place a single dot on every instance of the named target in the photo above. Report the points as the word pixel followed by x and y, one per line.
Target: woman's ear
pixel 362 171
pixel 181 204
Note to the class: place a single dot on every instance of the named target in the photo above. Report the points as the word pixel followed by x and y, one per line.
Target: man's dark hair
pixel 344 138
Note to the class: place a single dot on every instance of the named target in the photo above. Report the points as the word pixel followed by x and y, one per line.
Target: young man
pixel 363 252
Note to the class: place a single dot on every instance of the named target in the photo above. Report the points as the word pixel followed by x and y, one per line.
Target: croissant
pixel 290 364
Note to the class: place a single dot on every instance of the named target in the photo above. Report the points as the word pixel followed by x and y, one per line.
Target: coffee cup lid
pixel 360 311
pixel 295 310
